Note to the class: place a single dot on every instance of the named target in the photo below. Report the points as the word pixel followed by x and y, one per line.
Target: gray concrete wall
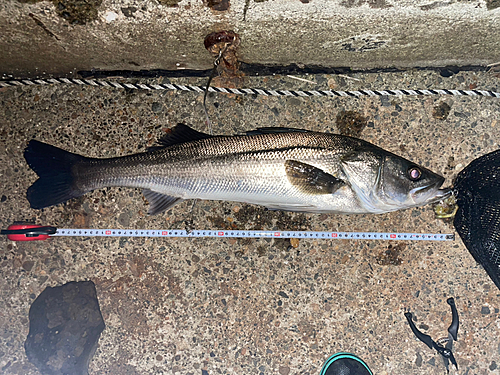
pixel 62 37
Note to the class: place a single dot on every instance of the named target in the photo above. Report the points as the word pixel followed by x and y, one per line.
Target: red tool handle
pixel 28 232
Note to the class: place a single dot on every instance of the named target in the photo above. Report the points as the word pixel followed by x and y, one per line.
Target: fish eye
pixel 414 173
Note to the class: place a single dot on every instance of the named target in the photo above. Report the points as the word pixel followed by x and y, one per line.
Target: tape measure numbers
pixel 37 232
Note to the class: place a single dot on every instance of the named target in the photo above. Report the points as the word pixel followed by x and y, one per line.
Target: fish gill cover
pixel 477 221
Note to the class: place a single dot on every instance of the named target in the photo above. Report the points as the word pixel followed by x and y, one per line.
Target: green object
pixel 345 364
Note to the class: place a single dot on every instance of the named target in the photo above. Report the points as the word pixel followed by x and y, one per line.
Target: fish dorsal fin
pixel 159 202
pixel 311 180
pixel 271 130
pixel 177 135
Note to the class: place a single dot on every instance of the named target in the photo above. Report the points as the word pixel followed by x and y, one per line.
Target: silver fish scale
pixel 241 168
pixel 250 176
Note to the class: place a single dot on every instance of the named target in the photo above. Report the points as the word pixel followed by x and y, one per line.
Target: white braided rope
pixel 247 91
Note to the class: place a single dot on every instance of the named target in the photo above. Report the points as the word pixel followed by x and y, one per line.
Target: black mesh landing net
pixel 477 190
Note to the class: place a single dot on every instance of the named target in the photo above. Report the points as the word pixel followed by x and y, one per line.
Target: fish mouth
pixel 430 193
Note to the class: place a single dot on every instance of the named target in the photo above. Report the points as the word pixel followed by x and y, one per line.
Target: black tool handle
pixel 426 339
pixel 31 232
pixel 453 329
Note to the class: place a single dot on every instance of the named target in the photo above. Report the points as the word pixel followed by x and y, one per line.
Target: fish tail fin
pixel 54 169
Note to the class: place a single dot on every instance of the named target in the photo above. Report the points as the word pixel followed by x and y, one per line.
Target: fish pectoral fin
pixel 272 130
pixel 179 134
pixel 311 180
pixel 159 202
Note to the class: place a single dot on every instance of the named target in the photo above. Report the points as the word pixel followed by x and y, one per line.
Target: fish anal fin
pixel 311 180
pixel 159 202
pixel 177 135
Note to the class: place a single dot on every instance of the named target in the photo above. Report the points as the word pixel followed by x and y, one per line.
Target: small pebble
pixel 418 360
pixel 156 107
pixel 283 294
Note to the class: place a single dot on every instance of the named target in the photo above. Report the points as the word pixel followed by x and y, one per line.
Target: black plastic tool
pixel 447 350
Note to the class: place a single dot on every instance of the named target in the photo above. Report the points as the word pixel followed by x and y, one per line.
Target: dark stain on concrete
pixel 492 4
pixel 220 223
pixel 261 250
pixel 434 5
pixel 169 3
pixel 220 5
pixel 391 256
pixel 375 4
pixel 42 25
pixel 245 9
pixel 258 218
pixel 441 111
pixel 451 163
pixel 77 213
pixel 77 12
pixel 350 123
pixel 129 11
pixel 360 44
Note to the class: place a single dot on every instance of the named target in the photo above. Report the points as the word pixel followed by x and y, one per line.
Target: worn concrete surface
pixel 60 37
pixel 236 306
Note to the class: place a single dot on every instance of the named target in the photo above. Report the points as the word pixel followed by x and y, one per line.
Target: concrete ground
pixel 250 306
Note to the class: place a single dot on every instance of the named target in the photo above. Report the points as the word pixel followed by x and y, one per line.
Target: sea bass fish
pixel 279 168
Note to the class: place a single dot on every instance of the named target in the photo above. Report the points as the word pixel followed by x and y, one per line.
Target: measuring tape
pixel 30 232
